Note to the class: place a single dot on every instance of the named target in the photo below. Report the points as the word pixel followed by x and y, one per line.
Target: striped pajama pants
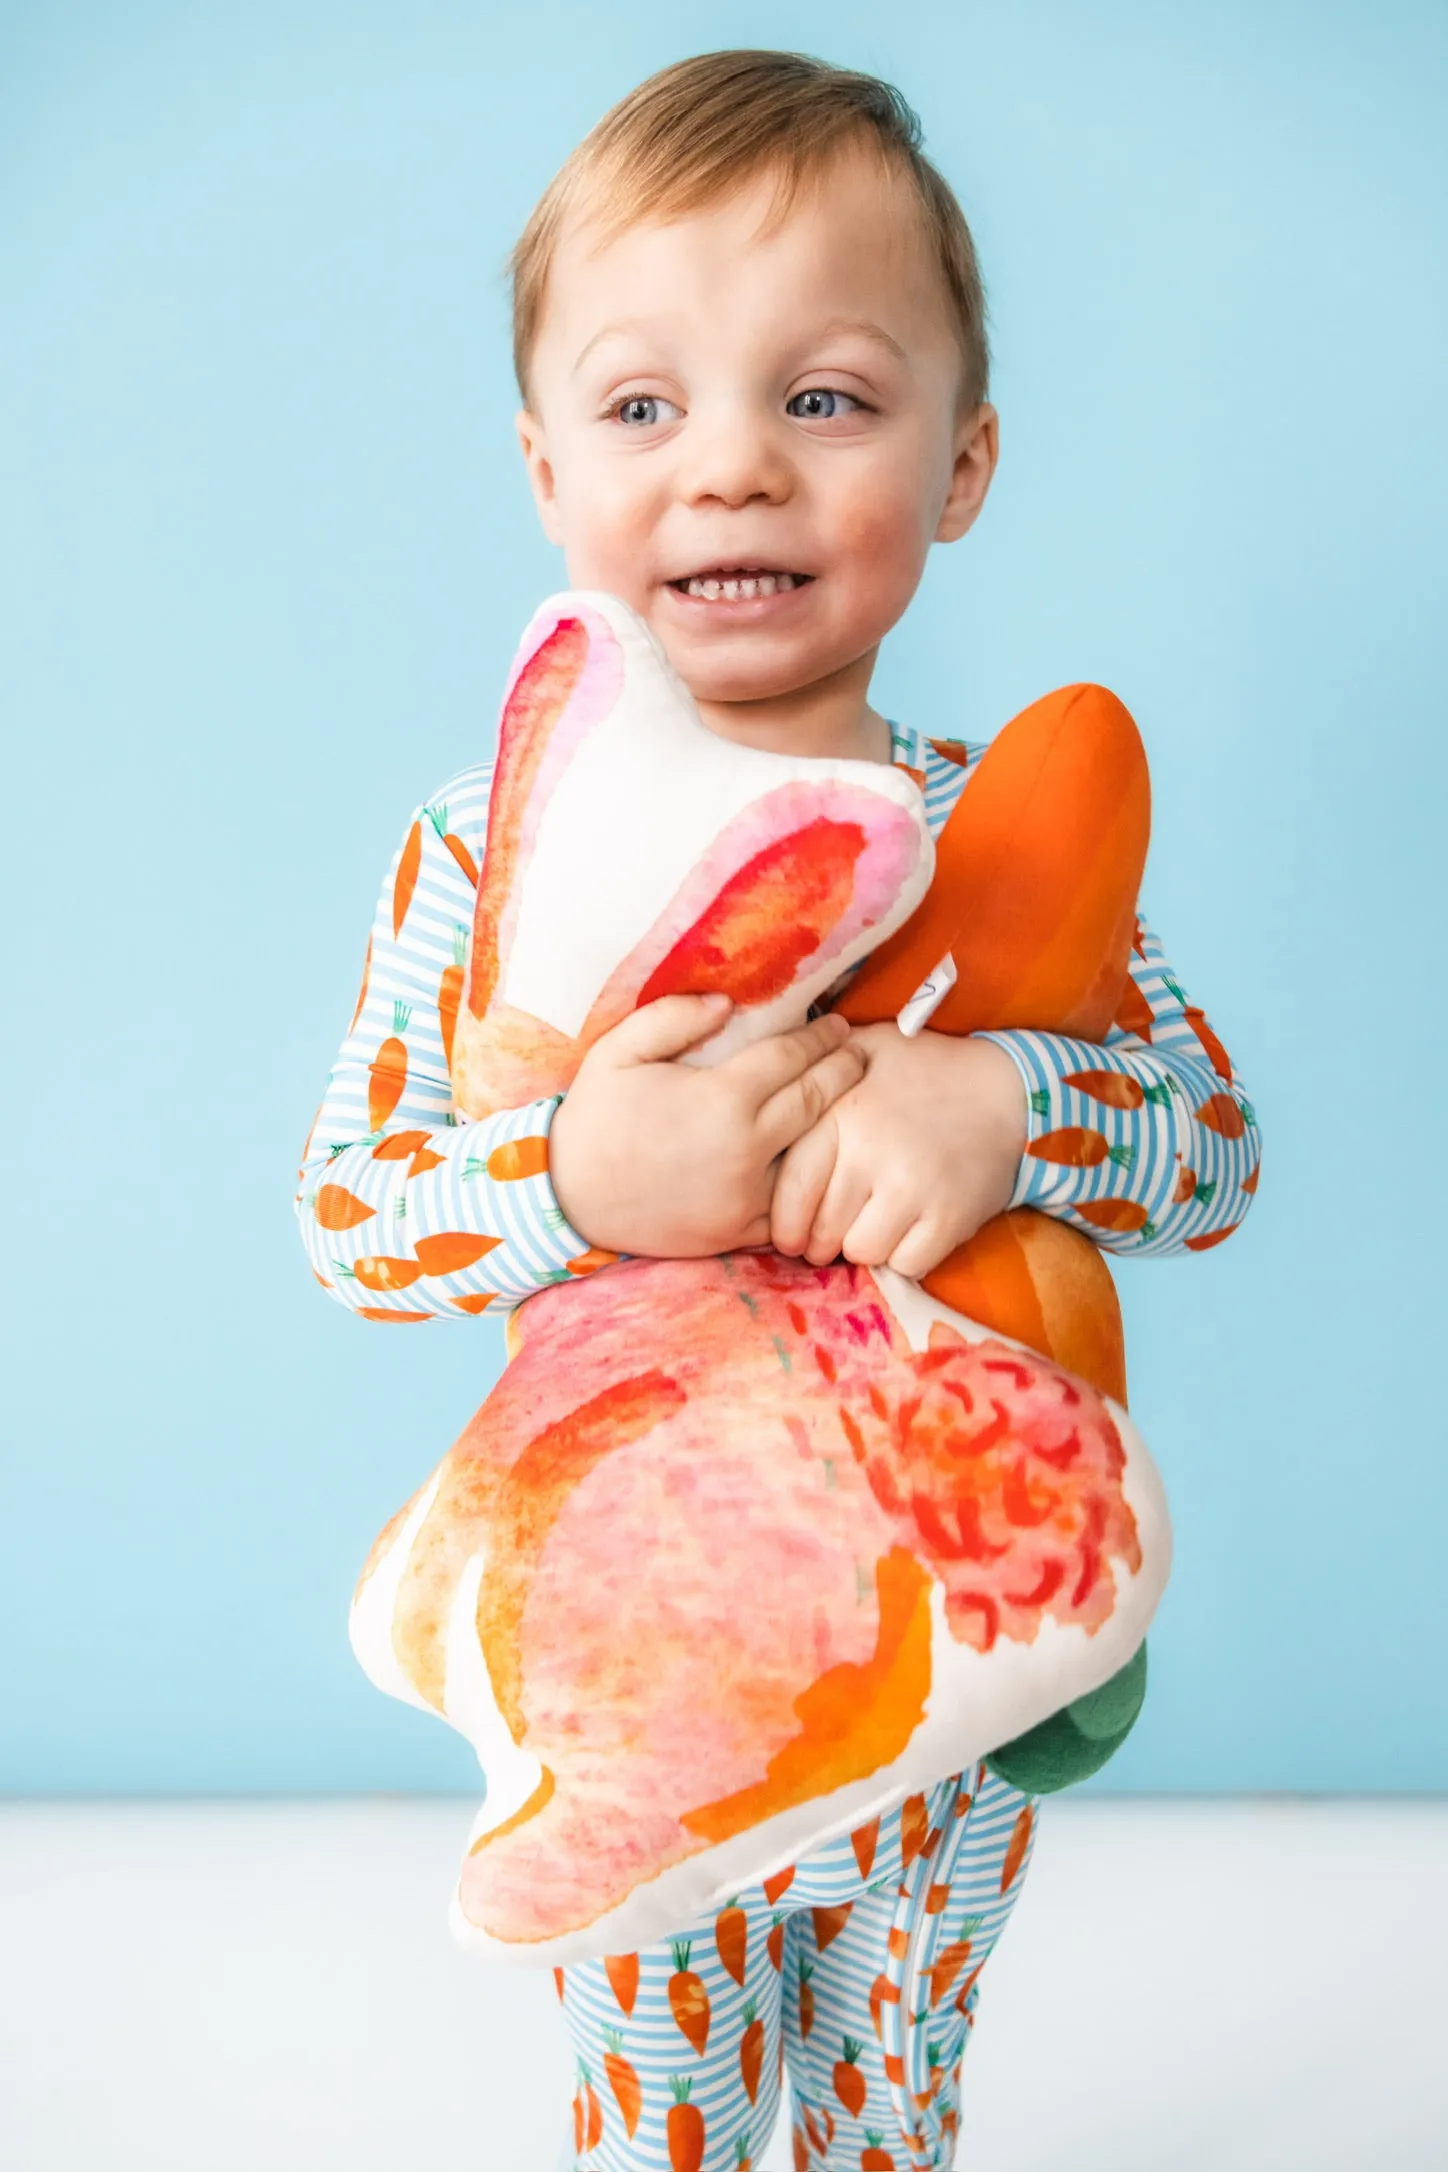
pixel 856 1971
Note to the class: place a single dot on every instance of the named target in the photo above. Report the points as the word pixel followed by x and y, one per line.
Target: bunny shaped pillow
pixel 741 1552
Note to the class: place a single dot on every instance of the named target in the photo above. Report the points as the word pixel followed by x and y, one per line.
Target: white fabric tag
pixel 931 992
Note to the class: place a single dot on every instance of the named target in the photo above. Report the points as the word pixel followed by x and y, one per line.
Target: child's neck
pixel 830 719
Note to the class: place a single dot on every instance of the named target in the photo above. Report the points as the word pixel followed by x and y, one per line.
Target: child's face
pixel 706 401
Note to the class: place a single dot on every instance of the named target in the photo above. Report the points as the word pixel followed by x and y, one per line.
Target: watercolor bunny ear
pixel 633 853
pixel 566 677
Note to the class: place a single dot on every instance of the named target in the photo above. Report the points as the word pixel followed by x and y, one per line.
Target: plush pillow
pixel 739 1552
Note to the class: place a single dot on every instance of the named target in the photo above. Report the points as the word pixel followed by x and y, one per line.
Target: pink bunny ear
pixel 566 678
pixel 785 890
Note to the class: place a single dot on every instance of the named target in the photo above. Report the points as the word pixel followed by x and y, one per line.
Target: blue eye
pixel 824 404
pixel 642 410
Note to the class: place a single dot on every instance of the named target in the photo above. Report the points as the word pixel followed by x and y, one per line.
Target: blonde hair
pixel 693 132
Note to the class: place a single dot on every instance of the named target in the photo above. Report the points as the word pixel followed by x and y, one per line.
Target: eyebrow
pixel 861 327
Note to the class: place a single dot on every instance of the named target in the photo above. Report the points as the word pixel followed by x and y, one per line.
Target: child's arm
pixel 407 1214
pixel 404 1212
pixel 1158 1150
pixel 1140 1143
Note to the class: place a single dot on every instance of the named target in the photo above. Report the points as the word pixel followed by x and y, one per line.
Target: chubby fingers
pixel 800 1184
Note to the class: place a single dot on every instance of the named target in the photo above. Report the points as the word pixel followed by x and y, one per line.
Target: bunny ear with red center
pixel 786 888
pixel 568 676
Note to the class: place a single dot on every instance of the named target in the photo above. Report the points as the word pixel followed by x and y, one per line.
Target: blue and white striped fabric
pixel 389 1161
pixel 856 1972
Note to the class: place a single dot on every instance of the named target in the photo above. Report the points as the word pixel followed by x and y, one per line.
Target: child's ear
pixel 540 472
pixel 977 448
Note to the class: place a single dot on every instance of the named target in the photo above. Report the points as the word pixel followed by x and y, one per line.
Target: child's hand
pixel 911 1161
pixel 674 1160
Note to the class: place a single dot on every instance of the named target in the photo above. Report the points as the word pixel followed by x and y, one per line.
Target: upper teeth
pixel 736 587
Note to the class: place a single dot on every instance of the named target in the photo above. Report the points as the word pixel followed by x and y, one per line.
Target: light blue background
pixel 266 553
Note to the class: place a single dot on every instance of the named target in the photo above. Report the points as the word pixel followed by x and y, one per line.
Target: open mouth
pixel 738 584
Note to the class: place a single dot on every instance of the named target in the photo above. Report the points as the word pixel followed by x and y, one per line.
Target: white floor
pixel 268 1987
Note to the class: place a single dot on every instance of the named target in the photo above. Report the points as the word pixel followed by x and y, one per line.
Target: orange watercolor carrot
pixel 743 2161
pixel 450 992
pixel 381 1312
pixel 731 1937
pixel 592 2113
pixel 1216 1055
pixel 398 1145
pixel 751 2050
pixel 437 816
pixel 829 1922
pixel 622 1971
pixel 1186 1184
pixel 424 1159
pixel 558 1984
pixel 387 1072
pixel 476 1301
pixel 806 1998
pixel 337 1208
pixel 952 750
pixel 589 1262
pixel 1073 1147
pixel 378 1272
pixel 882 1993
pixel 450 1250
pixel 1220 1113
pixel 946 1968
pixel 874 2157
pixel 518 1158
pixel 1249 1182
pixel 362 991
pixel 865 1840
pixel 1133 1013
pixel 688 1998
pixel 914 1825
pixel 779 1883
pixel 800 2147
pixel 774 1943
pixel 684 2129
pixel 1016 1852
pixel 1113 1088
pixel 849 2081
pixel 405 881
pixel 1116 1214
pixel 623 2081
pixel 1214 1236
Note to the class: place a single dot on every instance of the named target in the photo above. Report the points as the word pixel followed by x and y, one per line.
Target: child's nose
pixel 733 456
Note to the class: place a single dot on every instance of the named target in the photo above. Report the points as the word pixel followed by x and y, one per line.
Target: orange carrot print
pixel 1134 1013
pixel 425 1159
pixel 1114 1089
pixel 806 1998
pixel 380 1273
pixel 914 1825
pixel 387 1072
pixel 476 1301
pixel 622 1971
pixel 751 2050
pixel 800 2146
pixel 1015 1855
pixel 688 1998
pixel 874 2157
pixel 743 2162
pixel 437 816
pixel 684 2129
pixel 779 1883
pixel 362 991
pixel 389 1313
pixel 849 2081
pixel 558 1984
pixel 518 1158
pixel 589 1262
pixel 882 1993
pixel 592 2111
pixel 398 1145
pixel 337 1208
pixel 1186 1185
pixel 1220 1113
pixel 774 1943
pixel 405 881
pixel 1074 1147
pixel 947 1966
pixel 623 2081
pixel 1212 1236
pixel 450 1250
pixel 450 992
pixel 1113 1214
pixel 1215 1054
pixel 864 1841
pixel 829 1922
pixel 731 1937
pixel 1249 1183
